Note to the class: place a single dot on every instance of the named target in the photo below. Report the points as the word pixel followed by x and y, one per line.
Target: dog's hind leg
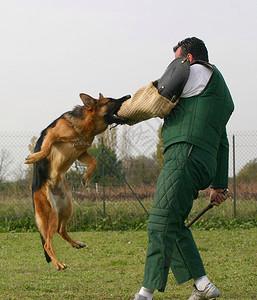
pixel 64 205
pixel 47 222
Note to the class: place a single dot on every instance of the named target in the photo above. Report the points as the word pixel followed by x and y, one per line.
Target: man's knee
pixel 158 219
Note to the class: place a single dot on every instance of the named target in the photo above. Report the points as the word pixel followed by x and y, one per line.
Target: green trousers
pixel 187 169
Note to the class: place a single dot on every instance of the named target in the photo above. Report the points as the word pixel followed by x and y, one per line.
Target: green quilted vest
pixel 200 120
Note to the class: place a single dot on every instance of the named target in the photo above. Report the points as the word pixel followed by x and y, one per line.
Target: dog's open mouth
pixel 118 103
pixel 111 116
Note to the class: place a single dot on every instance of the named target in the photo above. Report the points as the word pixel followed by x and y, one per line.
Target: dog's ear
pixel 88 101
pixel 101 96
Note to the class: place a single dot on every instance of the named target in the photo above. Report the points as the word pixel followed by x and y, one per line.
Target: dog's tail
pixel 39 178
pixel 40 171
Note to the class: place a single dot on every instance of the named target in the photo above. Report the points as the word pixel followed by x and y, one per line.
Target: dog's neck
pixel 86 128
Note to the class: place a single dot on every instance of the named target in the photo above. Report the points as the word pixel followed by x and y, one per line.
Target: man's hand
pixel 217 196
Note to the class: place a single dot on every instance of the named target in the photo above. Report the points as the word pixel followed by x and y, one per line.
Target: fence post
pixel 234 177
pixel 102 176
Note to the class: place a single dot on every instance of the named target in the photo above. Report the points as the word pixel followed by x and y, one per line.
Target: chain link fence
pixel 122 188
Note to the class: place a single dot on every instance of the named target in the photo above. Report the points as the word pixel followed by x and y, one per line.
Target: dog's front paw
pixel 29 159
pixel 34 157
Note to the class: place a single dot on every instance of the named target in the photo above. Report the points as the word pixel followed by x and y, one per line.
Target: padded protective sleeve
pixel 172 82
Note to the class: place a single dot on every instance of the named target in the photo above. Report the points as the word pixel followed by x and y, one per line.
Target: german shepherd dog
pixel 64 141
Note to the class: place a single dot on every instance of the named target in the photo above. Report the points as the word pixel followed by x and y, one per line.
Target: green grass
pixel 112 266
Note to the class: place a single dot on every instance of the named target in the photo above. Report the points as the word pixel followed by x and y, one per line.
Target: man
pixel 195 157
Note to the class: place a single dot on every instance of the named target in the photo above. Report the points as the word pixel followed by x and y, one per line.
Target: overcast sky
pixel 53 50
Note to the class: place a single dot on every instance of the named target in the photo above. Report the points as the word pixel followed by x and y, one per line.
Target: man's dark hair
pixel 194 46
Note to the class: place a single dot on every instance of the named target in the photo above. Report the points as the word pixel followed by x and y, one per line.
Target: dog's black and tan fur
pixel 65 140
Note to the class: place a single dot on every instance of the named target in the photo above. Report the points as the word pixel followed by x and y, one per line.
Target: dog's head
pixel 105 107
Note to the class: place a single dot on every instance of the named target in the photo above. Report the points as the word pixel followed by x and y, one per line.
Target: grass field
pixel 112 266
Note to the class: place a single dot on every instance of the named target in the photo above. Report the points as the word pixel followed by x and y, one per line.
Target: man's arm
pixel 220 181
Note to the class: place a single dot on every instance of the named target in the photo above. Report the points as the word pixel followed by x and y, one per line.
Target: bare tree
pixel 29 170
pixel 108 138
pixel 125 143
pixel 5 162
